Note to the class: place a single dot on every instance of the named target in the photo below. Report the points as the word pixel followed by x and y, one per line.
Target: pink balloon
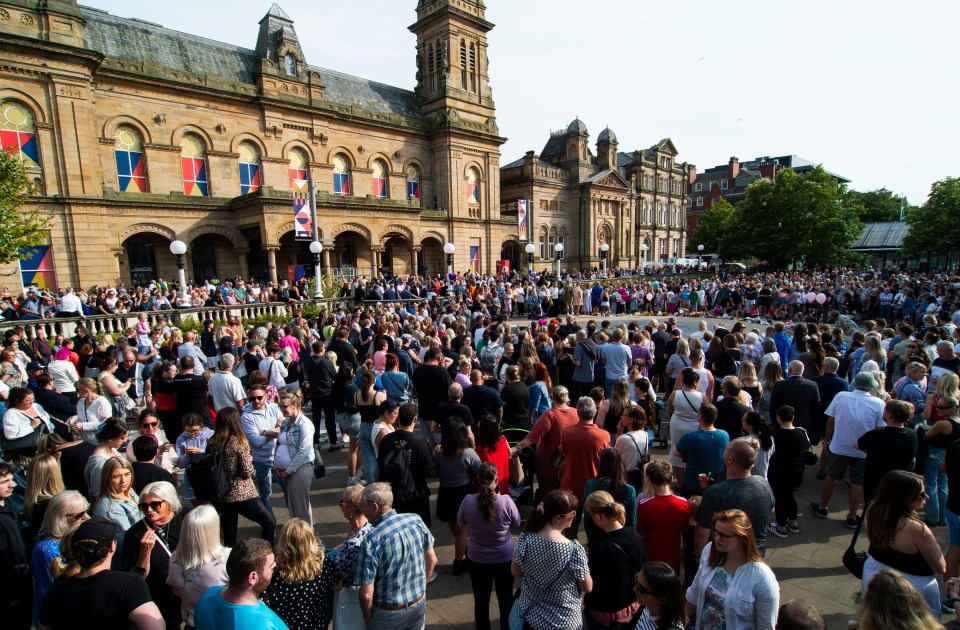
pixel 811 296
pixel 649 296
pixel 821 298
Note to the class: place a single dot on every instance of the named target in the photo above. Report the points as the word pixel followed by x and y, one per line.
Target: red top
pixel 500 457
pixel 546 434
pixel 581 444
pixel 661 521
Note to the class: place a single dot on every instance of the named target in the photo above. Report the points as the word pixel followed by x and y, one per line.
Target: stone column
pixel 374 261
pixel 415 252
pixel 272 262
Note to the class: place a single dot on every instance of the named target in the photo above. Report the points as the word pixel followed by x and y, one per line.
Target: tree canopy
pixel 934 227
pixel 880 205
pixel 21 229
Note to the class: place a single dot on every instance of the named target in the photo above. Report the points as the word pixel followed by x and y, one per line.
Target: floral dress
pixel 346 557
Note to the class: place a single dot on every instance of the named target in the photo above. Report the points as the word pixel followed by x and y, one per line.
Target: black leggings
pixel 482 578
pixel 785 502
pixel 252 509
pixel 329 409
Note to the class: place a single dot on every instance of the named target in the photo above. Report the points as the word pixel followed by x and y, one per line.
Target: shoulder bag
pixel 852 559
pixel 25 445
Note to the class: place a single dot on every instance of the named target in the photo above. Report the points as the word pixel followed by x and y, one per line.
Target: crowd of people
pixel 129 459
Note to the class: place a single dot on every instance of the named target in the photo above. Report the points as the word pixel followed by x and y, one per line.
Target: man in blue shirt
pixel 237 605
pixel 702 450
pixel 395 560
pixel 261 424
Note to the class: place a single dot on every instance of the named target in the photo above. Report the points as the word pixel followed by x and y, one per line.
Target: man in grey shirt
pixel 261 423
pixel 584 358
pixel 616 356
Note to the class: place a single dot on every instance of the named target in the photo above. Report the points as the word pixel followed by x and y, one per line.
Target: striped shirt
pixel 392 558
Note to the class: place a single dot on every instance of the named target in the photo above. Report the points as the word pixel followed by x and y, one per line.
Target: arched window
pixel 193 165
pixel 380 179
pixel 341 176
pixel 131 165
pixel 298 166
pixel 290 64
pixel 249 168
pixel 413 183
pixel 18 134
pixel 473 186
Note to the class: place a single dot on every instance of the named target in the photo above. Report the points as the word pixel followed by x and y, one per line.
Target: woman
pixel 735 589
pixel 457 465
pixel 546 435
pixel 615 556
pixel 611 409
pixel 516 399
pixel 554 570
pixel 871 351
pixel 772 375
pixel 812 358
pixel 165 397
pixel 726 359
pixel 199 561
pixel 149 424
pixel 348 416
pixel 750 383
pixel 770 355
pixel 117 500
pixel 892 603
pixel 295 455
pixel 367 401
pixel 548 357
pixel 229 440
pixel 92 409
pixel 346 607
pixel 25 417
pixel 679 360
pixel 64 373
pixel 633 444
pixel 65 511
pixel 756 428
pixel 539 392
pixel 899 540
pixel 386 423
pixel 683 406
pixel 487 517
pixel 612 479
pixel 948 386
pixel 302 586
pixel 493 447
pixel 149 545
pixel 114 390
pixel 44 481
pixel 660 593
pixel 110 436
pixel 396 383
pixel 785 470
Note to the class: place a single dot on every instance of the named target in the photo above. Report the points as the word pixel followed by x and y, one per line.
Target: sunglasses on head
pixel 151 505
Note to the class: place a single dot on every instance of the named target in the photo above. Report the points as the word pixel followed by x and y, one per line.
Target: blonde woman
pixel 92 409
pixel 199 561
pixel 948 386
pixel 64 511
pixel 44 482
pixel 892 603
pixel 117 499
pixel 303 583
pixel 750 384
pixel 295 455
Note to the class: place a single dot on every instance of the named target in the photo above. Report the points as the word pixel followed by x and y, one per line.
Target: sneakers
pixel 819 511
pixel 459 566
pixel 852 522
pixel 794 527
pixel 356 481
pixel 776 531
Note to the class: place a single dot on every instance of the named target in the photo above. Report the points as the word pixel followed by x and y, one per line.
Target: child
pixel 145 471
pixel 663 519
pixel 191 445
pixel 143 330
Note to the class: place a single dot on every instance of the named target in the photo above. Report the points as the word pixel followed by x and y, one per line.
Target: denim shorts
pixel 349 424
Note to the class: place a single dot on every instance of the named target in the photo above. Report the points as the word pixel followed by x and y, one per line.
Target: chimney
pixel 733 169
pixel 691 174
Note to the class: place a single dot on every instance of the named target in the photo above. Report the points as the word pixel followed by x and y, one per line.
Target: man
pixel 453 407
pixel 740 490
pixel 148 354
pixel 226 390
pixel 70 305
pixel 849 416
pixel 799 615
pixel 581 444
pixel 828 386
pixel 53 402
pixel 405 461
pixel 660 358
pixel 191 391
pixel 893 447
pixel 585 356
pixel 702 450
pixel 140 387
pixel 491 352
pixel 432 382
pixel 344 350
pixel 946 362
pixel 17 593
pixel 482 400
pixel 97 597
pixel 799 393
pixel 784 343
pixel 730 410
pixel 261 420
pixel 320 373
pixel 616 357
pixel 237 605
pixel 395 559
pixel 189 348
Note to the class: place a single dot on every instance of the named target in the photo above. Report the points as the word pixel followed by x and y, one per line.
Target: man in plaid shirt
pixel 395 560
pixel 751 350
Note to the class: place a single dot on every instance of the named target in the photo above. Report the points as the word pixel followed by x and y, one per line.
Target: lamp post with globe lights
pixel 558 248
pixel 448 249
pixel 178 248
pixel 603 254
pixel 316 248
pixel 699 256
pixel 643 256
pixel 529 248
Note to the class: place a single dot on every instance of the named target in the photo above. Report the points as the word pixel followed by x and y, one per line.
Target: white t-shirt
pixel 854 414
pixel 226 390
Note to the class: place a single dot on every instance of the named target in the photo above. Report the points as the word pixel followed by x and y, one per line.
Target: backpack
pixel 396 470
pixel 488 358
pixel 208 476
pixel 734 369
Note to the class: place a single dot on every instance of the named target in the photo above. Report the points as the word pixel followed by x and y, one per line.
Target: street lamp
pixel 559 249
pixel 179 248
pixel 699 255
pixel 643 255
pixel 603 254
pixel 316 248
pixel 448 249
pixel 529 248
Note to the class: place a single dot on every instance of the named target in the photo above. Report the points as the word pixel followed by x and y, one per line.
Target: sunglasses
pixel 78 516
pixel 151 505
pixel 150 424
pixel 255 397
pixel 944 407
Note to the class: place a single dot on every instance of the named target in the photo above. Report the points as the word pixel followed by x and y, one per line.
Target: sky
pixel 869 89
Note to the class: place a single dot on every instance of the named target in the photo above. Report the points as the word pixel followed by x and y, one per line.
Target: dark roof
pixel 607 135
pixel 513 164
pixel 556 147
pixel 577 126
pixel 136 40
pixel 887 235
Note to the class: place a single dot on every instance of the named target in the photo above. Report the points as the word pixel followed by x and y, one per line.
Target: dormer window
pixel 290 64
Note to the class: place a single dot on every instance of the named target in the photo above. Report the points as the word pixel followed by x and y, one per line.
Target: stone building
pixel 136 135
pixel 634 202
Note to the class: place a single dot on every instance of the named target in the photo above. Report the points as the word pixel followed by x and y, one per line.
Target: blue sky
pixel 868 89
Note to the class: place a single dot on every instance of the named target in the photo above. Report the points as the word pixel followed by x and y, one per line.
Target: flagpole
pixel 318 290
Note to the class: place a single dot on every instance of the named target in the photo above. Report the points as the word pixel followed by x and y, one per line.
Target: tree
pixel 715 229
pixel 934 227
pixel 880 205
pixel 21 229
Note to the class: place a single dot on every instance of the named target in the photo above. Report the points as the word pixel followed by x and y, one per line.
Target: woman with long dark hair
pixel 348 417
pixel 612 478
pixel 457 464
pixel 492 447
pixel 488 517
pixel 660 592
pixel 611 409
pixel 785 471
pixel 756 429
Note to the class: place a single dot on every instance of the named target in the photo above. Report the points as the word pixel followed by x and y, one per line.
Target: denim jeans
pixel 264 482
pixel 368 456
pixel 935 481
pixel 410 618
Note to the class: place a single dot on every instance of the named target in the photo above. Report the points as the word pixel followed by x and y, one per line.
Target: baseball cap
pixel 95 534
pixel 34 366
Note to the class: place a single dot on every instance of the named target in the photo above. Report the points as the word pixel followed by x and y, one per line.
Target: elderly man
pixel 225 388
pixel 849 417
pixel 581 445
pixel 799 393
pixel 946 362
pixel 395 559
pixel 189 348
pixel 453 407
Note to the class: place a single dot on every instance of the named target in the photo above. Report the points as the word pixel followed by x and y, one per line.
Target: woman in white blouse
pixel 24 415
pixel 64 373
pixel 92 409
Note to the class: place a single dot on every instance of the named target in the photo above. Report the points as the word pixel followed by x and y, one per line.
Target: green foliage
pixel 934 227
pixel 21 229
pixel 880 205
pixel 716 230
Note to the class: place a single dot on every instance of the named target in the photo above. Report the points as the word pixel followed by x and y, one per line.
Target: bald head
pixel 795 368
pixel 455 391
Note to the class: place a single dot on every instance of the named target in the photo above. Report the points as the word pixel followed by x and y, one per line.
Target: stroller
pixel 522 493
pixel 661 436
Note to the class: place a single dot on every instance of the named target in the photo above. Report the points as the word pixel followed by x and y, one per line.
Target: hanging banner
pixel 503 267
pixel 36 269
pixel 295 273
pixel 522 205
pixel 302 220
pixel 474 258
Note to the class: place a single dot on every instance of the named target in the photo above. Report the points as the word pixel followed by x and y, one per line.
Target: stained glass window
pixel 18 133
pixel 131 163
pixel 341 176
pixel 380 179
pixel 298 166
pixel 249 168
pixel 193 164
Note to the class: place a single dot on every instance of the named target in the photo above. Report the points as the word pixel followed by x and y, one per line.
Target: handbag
pixel 25 444
pixel 557 460
pixel 644 457
pixel 852 559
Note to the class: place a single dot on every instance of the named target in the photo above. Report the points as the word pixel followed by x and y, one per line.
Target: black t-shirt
pixel 952 466
pixel 889 448
pixel 103 601
pixel 431 382
pixel 789 445
pixel 614 559
pixel 191 393
pixel 148 472
pixel 730 414
pixel 516 405
pixel 482 400
pixel 72 462
pixel 446 409
pixel 422 464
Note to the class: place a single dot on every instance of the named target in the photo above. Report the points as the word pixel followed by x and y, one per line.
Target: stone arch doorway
pixel 213 256
pixel 397 254
pixel 432 259
pixel 352 255
pixel 511 251
pixel 147 258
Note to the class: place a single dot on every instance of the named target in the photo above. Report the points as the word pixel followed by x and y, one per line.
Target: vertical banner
pixel 522 218
pixel 302 221
pixel 503 267
pixel 37 268
pixel 295 273
pixel 474 258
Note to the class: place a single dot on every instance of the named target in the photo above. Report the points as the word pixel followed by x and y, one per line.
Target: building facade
pixel 635 202
pixel 136 135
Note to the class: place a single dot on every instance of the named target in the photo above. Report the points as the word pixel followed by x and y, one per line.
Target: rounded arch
pixel 604 233
pixel 352 227
pixel 395 230
pixel 342 150
pixel 297 144
pixel 415 163
pixel 543 230
pixel 286 228
pixel 182 130
pixel 111 124
pixel 383 158
pixel 39 116
pixel 475 166
pixel 554 231
pixel 140 228
pixel 434 235
pixel 232 234
pixel 248 137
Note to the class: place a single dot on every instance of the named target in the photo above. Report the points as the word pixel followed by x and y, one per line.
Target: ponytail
pixel 487 495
